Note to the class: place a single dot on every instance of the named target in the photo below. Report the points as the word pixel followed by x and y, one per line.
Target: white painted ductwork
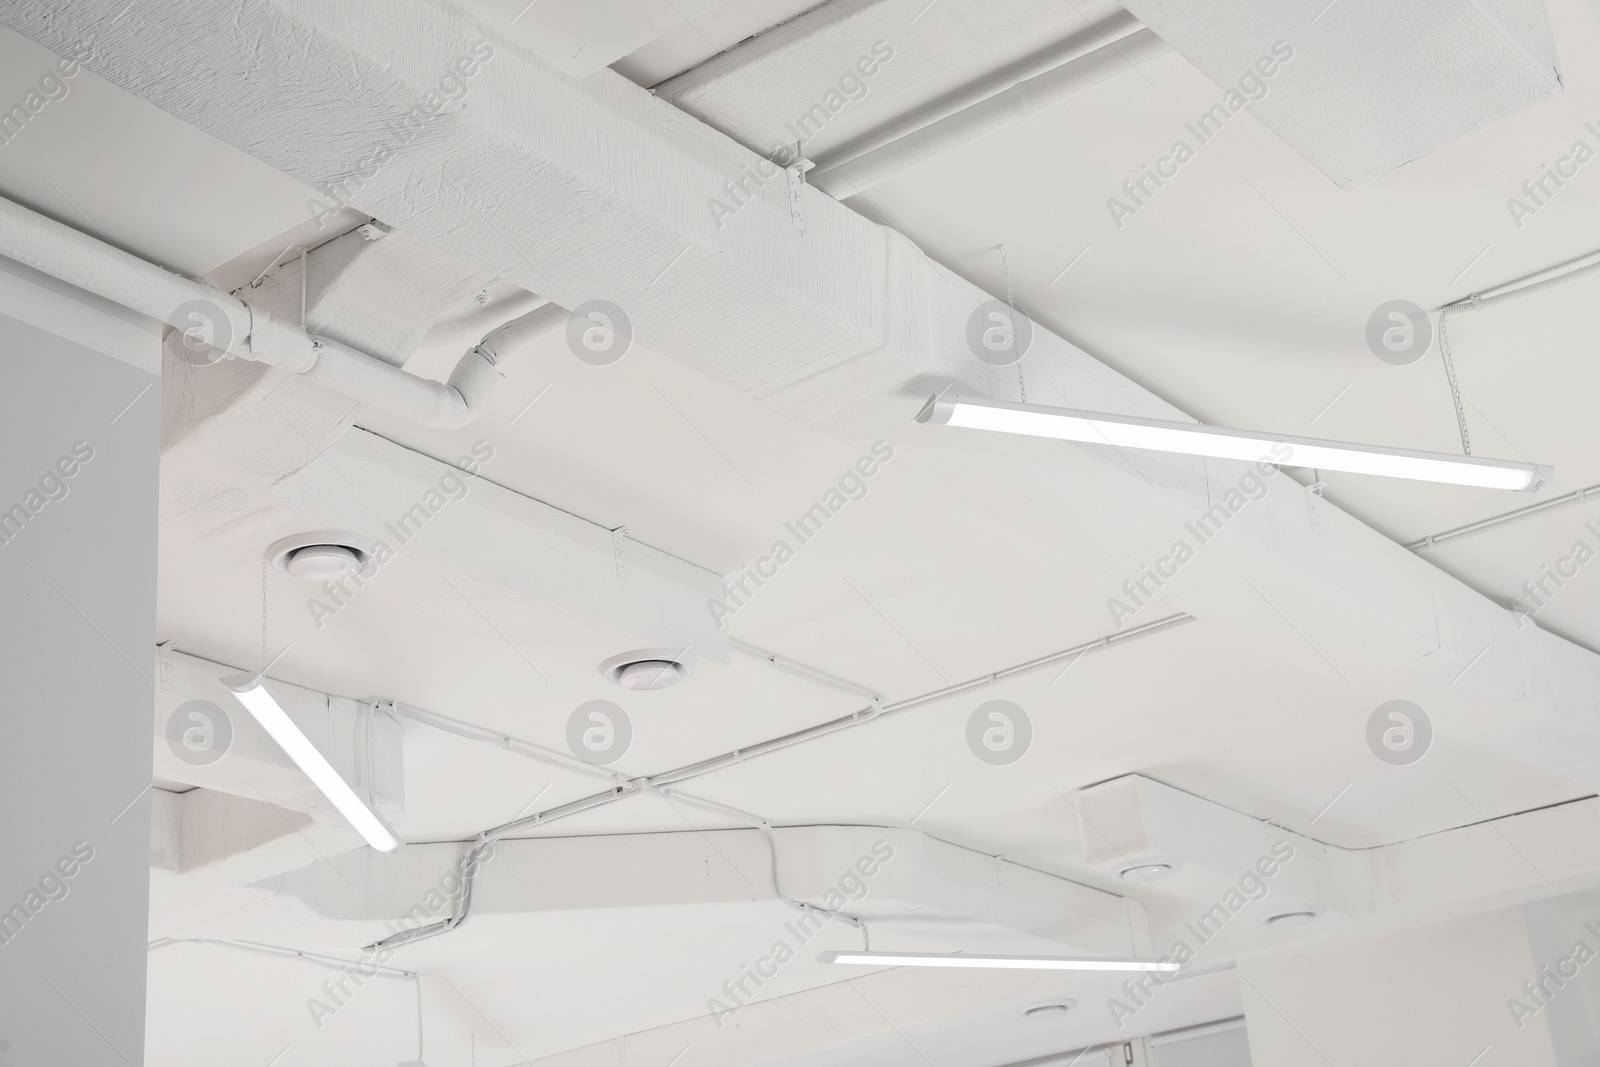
pixel 201 828
pixel 910 890
pixel 1415 939
pixel 1515 859
pixel 251 332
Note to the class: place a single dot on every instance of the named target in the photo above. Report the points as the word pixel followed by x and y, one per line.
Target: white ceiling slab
pixel 569 566
pixel 1361 87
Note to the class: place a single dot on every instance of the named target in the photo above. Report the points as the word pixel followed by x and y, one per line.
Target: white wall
pixel 1429 994
pixel 77 615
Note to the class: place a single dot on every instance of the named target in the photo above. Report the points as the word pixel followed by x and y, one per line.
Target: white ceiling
pixel 1241 295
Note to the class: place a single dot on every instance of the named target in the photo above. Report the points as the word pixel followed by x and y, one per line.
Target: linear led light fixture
pixel 252 691
pixel 1127 431
pixel 1030 963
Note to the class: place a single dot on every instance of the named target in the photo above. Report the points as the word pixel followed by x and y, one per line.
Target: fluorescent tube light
pixel 258 701
pixel 1034 963
pixel 1127 431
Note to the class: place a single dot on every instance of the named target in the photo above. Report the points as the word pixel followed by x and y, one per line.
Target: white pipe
pixel 800 670
pixel 1577 496
pixel 250 333
pixel 447 405
pixel 548 756
pixel 78 259
pixel 1116 26
pixel 1021 100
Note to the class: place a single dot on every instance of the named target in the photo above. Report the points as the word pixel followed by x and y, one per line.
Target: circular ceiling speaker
pixel 322 555
pixel 648 668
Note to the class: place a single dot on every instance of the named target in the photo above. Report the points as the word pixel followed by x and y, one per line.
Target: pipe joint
pixel 278 344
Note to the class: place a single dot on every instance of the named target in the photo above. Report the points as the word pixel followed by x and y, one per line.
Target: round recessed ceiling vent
pixel 1052 1010
pixel 1294 917
pixel 648 668
pixel 1148 870
pixel 322 563
pixel 322 556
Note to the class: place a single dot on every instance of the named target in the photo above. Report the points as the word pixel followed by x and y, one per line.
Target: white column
pixel 79 463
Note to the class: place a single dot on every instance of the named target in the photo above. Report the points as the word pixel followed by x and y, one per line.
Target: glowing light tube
pixel 1030 963
pixel 1156 435
pixel 259 701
